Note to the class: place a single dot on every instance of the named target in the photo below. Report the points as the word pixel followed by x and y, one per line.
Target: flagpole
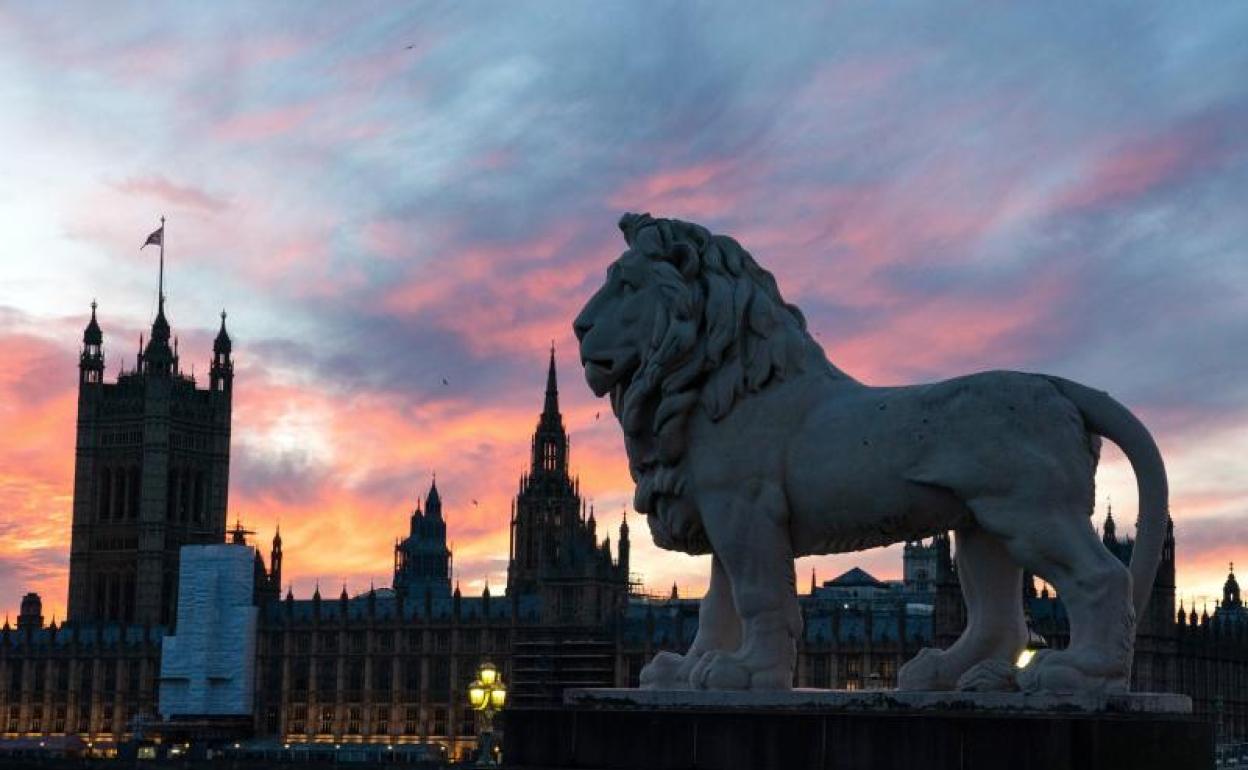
pixel 160 296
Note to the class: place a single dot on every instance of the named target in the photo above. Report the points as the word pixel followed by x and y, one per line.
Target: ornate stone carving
pixel 746 443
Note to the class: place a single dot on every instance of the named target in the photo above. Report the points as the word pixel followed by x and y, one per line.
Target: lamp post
pixel 486 695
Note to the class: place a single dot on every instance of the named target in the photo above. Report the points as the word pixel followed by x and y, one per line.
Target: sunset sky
pixel 386 197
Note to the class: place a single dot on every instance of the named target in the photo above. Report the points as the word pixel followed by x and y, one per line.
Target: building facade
pixel 91 682
pixel 151 474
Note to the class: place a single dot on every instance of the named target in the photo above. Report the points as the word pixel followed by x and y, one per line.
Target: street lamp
pixel 487 694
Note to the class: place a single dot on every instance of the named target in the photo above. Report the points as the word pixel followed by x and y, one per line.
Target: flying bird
pixel 474 502
pixel 444 382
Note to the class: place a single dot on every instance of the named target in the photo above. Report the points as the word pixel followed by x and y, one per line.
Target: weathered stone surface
pixel 208 667
pixel 878 700
pixel 746 443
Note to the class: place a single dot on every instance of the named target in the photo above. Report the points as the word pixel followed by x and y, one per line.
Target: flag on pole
pixel 157 238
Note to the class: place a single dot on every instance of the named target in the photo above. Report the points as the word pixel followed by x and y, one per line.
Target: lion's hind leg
pixel 983 657
pixel 1060 545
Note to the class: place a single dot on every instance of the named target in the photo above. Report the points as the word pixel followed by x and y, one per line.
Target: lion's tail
pixel 1106 417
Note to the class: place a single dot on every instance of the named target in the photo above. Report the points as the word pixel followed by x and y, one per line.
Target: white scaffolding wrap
pixel 208 667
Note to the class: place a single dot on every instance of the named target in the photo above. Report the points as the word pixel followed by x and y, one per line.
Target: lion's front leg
pixel 719 628
pixel 750 536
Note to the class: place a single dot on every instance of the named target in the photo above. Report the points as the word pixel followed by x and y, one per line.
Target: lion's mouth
pixel 604 373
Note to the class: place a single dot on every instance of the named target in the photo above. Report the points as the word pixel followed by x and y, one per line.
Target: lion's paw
pixel 923 672
pixel 1059 672
pixel 718 670
pixel 991 675
pixel 667 671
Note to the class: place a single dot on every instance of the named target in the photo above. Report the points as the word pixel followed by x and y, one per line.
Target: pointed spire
pixel 92 334
pixel 222 343
pixel 675 594
pixel 158 356
pixel 551 407
pixel 812 581
pixel 1111 530
pixel 433 500
pixel 277 536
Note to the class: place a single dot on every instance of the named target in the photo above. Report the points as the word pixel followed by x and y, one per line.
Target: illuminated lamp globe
pixel 477 695
pixel 488 674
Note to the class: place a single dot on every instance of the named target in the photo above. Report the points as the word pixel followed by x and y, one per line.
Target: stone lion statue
pixel 746 443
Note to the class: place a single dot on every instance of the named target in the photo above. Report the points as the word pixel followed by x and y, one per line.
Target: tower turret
pixel 221 373
pixel 422 562
pixel 949 609
pixel 275 562
pixel 91 363
pixel 1230 591
pixel 31 615
pixel 555 551
pixel 1109 535
pixel 157 358
pixel 624 548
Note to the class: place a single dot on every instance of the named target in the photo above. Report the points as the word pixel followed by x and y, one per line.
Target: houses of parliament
pixel 392 665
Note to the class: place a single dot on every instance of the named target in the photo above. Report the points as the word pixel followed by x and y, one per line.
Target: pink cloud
pixel 165 191
pixel 263 124
pixel 1128 170
pixel 701 191
pixel 948 334
pixel 500 297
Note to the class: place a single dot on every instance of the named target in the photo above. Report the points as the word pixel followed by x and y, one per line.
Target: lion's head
pixel 685 320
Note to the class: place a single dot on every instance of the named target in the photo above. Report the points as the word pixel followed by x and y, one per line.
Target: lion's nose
pixel 581 327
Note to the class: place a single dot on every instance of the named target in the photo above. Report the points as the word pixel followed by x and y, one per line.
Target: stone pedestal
pixel 881 730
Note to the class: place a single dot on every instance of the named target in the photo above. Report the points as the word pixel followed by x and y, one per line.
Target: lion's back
pixel 1001 428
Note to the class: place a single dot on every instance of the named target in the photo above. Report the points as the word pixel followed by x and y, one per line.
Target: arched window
pixel 199 497
pixel 171 498
pixel 105 494
pixel 135 493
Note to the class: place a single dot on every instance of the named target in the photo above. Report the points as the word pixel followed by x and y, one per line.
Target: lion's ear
pixel 630 223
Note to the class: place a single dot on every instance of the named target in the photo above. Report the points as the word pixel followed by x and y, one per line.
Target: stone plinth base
pixel 880 729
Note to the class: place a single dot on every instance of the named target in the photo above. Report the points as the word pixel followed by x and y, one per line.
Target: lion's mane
pixel 721 332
